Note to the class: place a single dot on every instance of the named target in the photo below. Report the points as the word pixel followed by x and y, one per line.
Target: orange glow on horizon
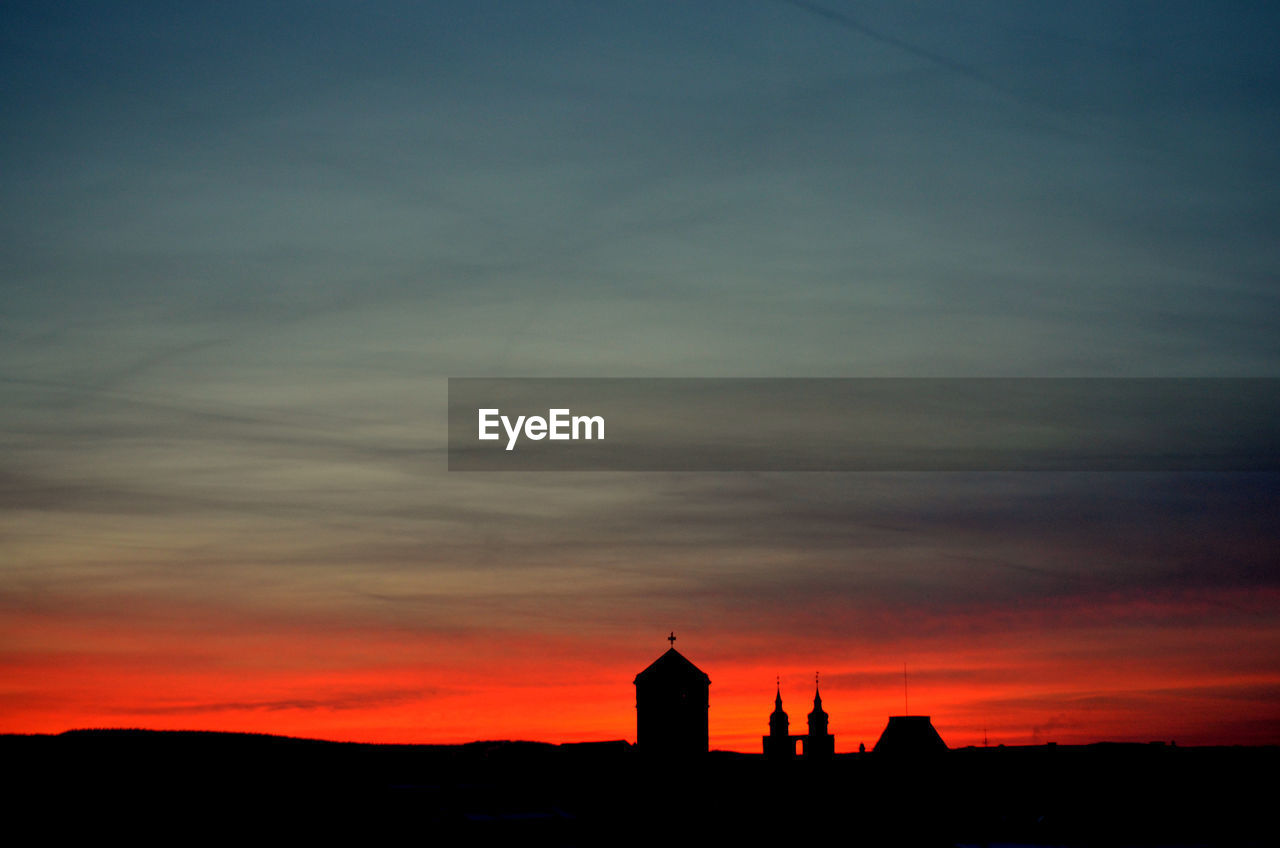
pixel 1073 686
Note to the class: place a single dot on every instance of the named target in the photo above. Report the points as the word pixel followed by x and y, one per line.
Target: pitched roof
pixel 672 665
pixel 909 735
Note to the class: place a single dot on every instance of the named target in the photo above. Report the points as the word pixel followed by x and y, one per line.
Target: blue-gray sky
pixel 242 245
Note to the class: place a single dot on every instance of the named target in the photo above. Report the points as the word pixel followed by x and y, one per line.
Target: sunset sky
pixel 244 245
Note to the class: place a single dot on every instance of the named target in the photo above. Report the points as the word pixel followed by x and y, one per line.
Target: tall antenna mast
pixel 905 709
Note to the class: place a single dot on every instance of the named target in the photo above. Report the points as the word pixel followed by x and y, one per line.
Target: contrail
pixel 1050 116
pixel 945 62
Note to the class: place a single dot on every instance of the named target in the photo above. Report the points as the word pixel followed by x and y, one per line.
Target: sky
pixel 244 245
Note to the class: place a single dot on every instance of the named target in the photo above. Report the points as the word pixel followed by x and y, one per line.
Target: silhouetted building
pixel 779 744
pixel 672 700
pixel 909 736
pixel 819 744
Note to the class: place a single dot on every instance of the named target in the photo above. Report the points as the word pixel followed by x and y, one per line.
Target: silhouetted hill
pixel 606 793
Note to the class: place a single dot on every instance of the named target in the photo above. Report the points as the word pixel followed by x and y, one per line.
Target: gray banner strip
pixel 864 424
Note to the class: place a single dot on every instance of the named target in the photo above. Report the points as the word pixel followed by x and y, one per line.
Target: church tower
pixel 672 701
pixel 819 744
pixel 779 744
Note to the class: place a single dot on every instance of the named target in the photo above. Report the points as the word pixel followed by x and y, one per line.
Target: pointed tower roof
pixel 817 701
pixel 672 665
pixel 777 703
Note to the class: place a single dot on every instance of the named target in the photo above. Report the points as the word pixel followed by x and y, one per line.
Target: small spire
pixel 672 639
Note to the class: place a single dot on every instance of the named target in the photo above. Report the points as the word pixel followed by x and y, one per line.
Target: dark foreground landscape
pixel 177 785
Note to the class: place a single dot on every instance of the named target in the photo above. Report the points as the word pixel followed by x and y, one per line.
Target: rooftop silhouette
pixel 618 793
pixel 672 700
pixel 818 743
pixel 909 736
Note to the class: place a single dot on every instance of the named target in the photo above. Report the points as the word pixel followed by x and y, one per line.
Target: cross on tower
pixel 672 638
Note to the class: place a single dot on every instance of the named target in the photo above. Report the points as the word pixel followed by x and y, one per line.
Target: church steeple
pixel 779 724
pixel 778 745
pixel 819 744
pixel 817 718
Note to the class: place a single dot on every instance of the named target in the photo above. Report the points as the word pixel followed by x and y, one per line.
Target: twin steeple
pixel 780 745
